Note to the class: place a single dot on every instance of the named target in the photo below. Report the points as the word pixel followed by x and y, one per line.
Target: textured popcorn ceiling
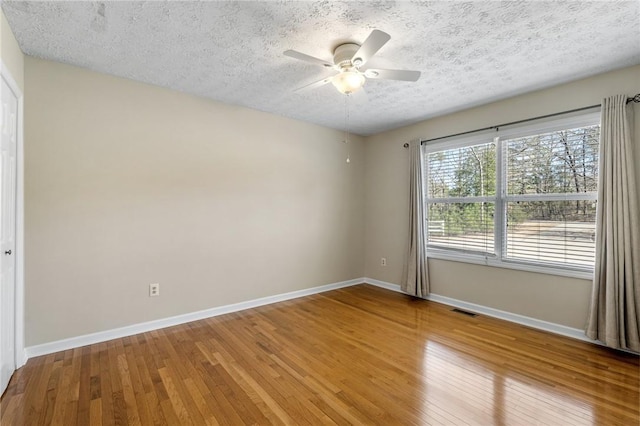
pixel 469 53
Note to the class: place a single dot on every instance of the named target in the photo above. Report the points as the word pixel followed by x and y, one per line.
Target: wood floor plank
pixel 95 412
pixel 84 387
pixel 358 355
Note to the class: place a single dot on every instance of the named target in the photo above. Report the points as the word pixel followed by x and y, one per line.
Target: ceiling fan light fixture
pixel 348 81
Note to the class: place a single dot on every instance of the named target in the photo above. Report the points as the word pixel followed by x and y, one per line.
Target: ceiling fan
pixel 349 60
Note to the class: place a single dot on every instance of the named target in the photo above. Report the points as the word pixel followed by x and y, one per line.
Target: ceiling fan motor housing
pixel 343 55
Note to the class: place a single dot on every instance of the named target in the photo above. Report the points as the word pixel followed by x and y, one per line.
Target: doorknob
pixel 7 252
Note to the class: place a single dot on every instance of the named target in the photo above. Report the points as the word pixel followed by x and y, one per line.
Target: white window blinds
pixel 461 198
pixel 524 195
pixel 551 182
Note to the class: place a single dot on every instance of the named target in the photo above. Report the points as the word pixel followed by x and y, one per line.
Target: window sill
pixel 584 274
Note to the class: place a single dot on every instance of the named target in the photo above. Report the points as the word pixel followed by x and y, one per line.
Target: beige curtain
pixel 614 317
pixel 415 279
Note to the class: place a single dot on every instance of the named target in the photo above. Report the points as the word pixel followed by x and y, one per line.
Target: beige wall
pixel 129 184
pixel 10 52
pixel 551 298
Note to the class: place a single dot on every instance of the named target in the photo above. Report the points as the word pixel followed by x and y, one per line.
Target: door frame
pixel 20 355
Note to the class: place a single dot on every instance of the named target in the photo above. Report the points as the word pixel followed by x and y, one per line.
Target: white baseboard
pixel 103 336
pixel 383 284
pixel 21 358
pixel 563 330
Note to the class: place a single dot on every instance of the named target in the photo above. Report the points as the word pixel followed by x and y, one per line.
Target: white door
pixel 8 142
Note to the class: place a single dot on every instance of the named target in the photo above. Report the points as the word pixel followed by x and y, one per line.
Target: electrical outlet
pixel 154 290
pixel 383 261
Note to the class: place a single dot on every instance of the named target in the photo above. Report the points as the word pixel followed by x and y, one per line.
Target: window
pixel 522 197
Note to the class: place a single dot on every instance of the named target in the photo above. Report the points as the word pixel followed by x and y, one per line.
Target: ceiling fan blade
pixel 371 45
pixel 403 75
pixel 314 84
pixel 304 57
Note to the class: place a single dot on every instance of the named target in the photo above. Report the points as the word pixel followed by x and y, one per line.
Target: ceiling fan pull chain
pixel 346 125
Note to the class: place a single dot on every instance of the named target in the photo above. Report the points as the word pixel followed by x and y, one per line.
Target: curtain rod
pixel 511 123
pixel 635 98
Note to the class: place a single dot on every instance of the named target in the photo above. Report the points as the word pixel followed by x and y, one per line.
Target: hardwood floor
pixel 359 355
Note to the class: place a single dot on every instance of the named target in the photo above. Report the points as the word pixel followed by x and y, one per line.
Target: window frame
pixel 501 198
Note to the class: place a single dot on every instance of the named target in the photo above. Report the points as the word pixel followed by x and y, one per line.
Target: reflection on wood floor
pixel 359 355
